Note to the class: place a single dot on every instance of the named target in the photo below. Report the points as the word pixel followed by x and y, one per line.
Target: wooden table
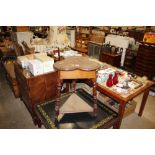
pixel 76 68
pixel 124 99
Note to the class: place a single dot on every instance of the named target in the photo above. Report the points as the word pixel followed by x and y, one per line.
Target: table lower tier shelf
pixel 105 117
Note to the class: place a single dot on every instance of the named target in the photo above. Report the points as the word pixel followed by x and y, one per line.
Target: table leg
pixel 67 86
pixel 120 115
pixel 146 93
pixel 95 96
pixel 58 98
pixel 73 86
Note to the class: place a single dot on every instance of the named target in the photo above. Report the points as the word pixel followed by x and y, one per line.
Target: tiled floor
pixel 14 115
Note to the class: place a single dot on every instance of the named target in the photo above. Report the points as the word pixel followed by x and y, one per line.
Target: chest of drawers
pixel 145 61
pixel 36 89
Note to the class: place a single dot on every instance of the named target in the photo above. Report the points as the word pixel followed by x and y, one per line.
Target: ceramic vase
pixel 115 78
pixel 109 82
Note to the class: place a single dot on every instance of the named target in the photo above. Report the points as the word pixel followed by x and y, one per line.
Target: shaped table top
pixel 77 62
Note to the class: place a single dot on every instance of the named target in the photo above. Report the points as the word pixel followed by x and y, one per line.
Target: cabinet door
pixel 94 50
pixel 37 90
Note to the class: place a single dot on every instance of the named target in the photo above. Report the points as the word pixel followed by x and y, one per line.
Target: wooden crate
pixel 131 109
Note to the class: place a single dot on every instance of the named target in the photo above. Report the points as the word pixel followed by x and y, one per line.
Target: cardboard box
pixel 47 62
pixel 23 61
pixel 35 67
pixel 130 108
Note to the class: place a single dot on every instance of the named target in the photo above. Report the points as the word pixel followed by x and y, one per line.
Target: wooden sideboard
pixel 36 89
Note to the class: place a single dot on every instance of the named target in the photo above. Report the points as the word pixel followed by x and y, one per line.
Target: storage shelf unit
pixel 83 34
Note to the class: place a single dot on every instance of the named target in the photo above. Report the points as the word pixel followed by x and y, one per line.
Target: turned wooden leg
pixel 120 115
pixel 38 122
pixel 35 118
pixel 146 93
pixel 67 86
pixel 94 96
pixel 73 86
pixel 58 98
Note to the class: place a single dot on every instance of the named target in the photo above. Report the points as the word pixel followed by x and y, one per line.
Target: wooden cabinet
pixel 137 35
pixel 94 50
pixel 130 59
pixel 36 89
pixel 83 34
pixel 145 61
pixel 111 58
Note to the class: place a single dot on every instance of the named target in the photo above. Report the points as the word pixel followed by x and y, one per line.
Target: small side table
pixel 76 68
